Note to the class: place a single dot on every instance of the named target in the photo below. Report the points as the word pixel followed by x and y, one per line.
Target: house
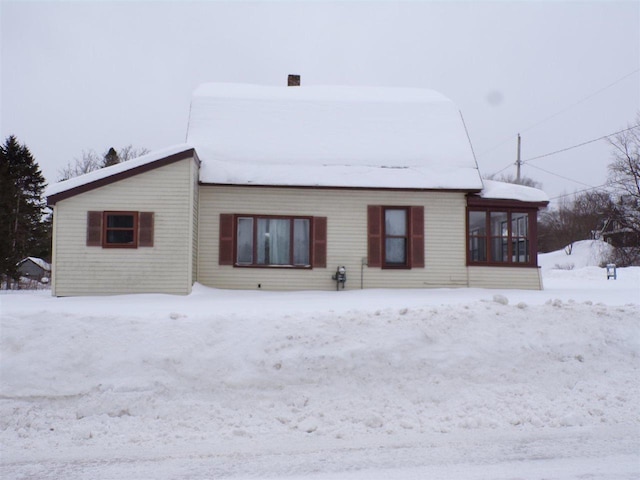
pixel 34 269
pixel 277 187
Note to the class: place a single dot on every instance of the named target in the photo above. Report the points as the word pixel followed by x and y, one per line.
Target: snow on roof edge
pixel 510 191
pixel 106 172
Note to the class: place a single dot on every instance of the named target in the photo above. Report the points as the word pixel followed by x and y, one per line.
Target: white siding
pixel 346 211
pixel 165 268
pixel 526 278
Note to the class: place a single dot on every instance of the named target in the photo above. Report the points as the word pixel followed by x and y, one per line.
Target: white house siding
pixel 526 278
pixel 165 268
pixel 346 211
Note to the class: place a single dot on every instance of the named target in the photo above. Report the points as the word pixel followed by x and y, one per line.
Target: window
pixel 272 241
pixel 395 236
pixel 396 241
pixel 500 237
pixel 120 229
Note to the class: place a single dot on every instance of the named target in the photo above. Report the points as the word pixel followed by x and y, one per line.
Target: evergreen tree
pixel 22 229
pixel 92 161
pixel 111 158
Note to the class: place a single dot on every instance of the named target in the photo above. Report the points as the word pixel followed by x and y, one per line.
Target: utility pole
pixel 518 162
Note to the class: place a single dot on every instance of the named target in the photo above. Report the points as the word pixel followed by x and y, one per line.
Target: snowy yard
pixel 411 384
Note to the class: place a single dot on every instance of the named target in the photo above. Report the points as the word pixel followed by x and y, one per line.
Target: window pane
pixel 499 226
pixel 273 241
pixel 119 221
pixel 478 249
pixel 520 250
pixel 120 236
pixel 301 242
pixel 395 222
pixel 499 249
pixel 395 251
pixel 478 236
pixel 245 240
pixel 521 224
pixel 477 223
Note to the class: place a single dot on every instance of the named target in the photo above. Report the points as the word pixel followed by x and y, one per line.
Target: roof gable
pixel 104 176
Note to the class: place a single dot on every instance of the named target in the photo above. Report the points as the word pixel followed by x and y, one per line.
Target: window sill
pixel 502 264
pixel 277 267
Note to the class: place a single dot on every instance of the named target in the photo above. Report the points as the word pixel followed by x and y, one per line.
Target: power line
pixel 582 100
pixel 561 111
pixel 501 170
pixel 580 144
pixel 581 191
pixel 563 150
pixel 563 177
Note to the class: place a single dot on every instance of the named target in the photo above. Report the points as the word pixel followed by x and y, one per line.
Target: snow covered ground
pixel 374 384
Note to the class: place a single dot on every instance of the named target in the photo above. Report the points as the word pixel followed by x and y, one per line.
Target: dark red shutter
pixel 374 235
pixel 319 242
pixel 145 229
pixel 94 229
pixel 417 237
pixel 225 253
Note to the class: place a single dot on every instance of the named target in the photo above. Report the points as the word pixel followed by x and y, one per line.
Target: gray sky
pixel 91 75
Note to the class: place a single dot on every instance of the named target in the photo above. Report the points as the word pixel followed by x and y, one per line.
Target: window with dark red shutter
pixel 395 236
pixel 417 237
pixel 145 231
pixel 94 229
pixel 374 235
pixel 120 229
pixel 226 254
pixel 272 241
pixel 320 242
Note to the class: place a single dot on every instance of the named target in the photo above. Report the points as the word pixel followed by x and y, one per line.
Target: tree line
pixel 611 213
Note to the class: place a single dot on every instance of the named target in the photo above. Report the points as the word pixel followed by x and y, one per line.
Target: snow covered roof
pixel 114 170
pixel 509 191
pixel 362 137
pixel 330 136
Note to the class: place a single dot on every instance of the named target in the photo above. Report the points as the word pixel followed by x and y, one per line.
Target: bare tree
pixel 580 218
pixel 624 177
pixel 624 170
pixel 508 178
pixel 91 161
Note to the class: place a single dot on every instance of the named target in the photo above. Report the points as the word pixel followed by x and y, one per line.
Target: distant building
pixel 34 268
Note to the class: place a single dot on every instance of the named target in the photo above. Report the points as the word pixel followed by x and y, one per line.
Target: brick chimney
pixel 293 81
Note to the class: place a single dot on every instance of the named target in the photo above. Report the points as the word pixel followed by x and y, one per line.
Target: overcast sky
pixel 91 75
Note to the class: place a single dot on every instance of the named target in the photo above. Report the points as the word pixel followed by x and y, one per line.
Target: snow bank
pixel 584 253
pixel 267 383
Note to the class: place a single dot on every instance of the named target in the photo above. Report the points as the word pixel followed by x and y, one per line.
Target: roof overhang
pixel 473 200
